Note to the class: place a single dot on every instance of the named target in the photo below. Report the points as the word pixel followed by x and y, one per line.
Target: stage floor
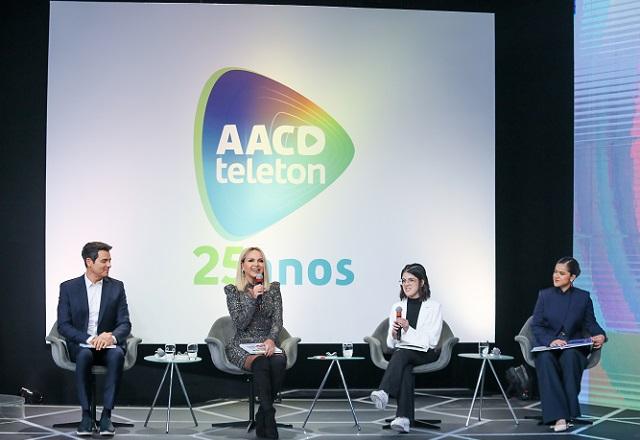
pixel 332 419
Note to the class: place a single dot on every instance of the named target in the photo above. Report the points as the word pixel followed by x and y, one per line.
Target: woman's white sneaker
pixel 380 399
pixel 401 424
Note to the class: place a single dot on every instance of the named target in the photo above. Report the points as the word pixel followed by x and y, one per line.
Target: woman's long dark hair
pixel 417 270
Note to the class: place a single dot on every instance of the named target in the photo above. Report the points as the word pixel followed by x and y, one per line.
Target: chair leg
pixel 94 399
pixel 538 418
pixel 66 425
pixel 92 409
pixel 249 424
pixel 424 424
pixel 252 405
pixel 427 423
pixel 94 406
pixel 574 421
pixel 278 399
pixel 582 422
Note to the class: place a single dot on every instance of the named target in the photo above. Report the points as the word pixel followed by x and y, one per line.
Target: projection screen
pixel 344 142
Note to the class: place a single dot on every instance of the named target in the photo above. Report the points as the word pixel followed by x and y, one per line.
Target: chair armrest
pixel 219 356
pixel 60 353
pixel 290 347
pixel 443 360
pixel 594 358
pixel 446 349
pixel 375 349
pixel 525 348
pixel 131 355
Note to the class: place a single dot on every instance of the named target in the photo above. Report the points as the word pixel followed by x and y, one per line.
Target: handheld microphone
pixel 259 281
pixel 399 315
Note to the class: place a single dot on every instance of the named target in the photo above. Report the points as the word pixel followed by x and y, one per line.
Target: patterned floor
pixel 332 419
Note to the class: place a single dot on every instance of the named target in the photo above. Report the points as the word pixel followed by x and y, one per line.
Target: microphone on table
pixel 259 281
pixel 399 315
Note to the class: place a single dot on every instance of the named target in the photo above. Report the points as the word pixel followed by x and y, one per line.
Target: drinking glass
pixel 347 349
pixel 192 351
pixel 483 348
pixel 170 350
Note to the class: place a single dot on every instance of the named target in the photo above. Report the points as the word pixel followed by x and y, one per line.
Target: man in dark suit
pixel 93 317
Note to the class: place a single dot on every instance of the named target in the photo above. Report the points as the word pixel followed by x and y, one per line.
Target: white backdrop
pixel 414 91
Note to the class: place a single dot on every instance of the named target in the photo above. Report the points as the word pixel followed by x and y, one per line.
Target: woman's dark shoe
pixel 270 428
pixel 260 433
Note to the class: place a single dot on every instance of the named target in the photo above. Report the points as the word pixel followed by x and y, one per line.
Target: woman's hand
pixel 598 340
pixel 256 291
pixel 400 323
pixel 269 347
pixel 558 343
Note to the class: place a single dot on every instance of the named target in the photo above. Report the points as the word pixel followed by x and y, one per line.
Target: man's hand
pixel 598 340
pixel 102 340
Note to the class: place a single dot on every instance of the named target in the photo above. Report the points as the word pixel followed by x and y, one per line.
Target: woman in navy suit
pixel 562 313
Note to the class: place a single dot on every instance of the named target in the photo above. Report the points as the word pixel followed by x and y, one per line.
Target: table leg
pixel 475 393
pixel 484 373
pixel 346 390
pixel 157 393
pixel 169 403
pixel 503 393
pixel 184 391
pixel 315 399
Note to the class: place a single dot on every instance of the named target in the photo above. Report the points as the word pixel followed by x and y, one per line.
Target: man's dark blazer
pixel 551 314
pixel 73 312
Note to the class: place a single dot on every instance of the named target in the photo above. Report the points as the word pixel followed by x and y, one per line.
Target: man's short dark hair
pixel 91 249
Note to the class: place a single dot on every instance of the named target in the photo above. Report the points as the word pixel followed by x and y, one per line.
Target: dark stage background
pixel 534 199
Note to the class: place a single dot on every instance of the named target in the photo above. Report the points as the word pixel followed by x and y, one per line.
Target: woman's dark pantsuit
pixel 398 380
pixel 559 376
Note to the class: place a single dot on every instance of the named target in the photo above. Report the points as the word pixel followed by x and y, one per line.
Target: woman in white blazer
pixel 415 324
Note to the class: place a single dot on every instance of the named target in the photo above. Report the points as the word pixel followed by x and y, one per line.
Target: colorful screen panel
pixel 607 189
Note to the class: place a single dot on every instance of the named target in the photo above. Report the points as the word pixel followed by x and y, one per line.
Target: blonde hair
pixel 241 280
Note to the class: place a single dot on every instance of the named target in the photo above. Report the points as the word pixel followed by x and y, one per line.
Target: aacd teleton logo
pixel 262 150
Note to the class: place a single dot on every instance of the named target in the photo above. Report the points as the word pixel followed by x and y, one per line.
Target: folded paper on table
pixel 256 348
pixel 586 342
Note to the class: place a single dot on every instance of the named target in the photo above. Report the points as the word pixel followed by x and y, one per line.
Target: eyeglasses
pixel 408 281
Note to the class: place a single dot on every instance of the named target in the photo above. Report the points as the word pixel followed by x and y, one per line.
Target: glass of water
pixel 483 348
pixel 347 349
pixel 170 350
pixel 192 351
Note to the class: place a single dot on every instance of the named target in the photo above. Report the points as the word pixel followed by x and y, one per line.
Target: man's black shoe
pixel 85 428
pixel 106 427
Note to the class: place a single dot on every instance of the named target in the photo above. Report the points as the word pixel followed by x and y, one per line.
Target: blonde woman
pixel 255 307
